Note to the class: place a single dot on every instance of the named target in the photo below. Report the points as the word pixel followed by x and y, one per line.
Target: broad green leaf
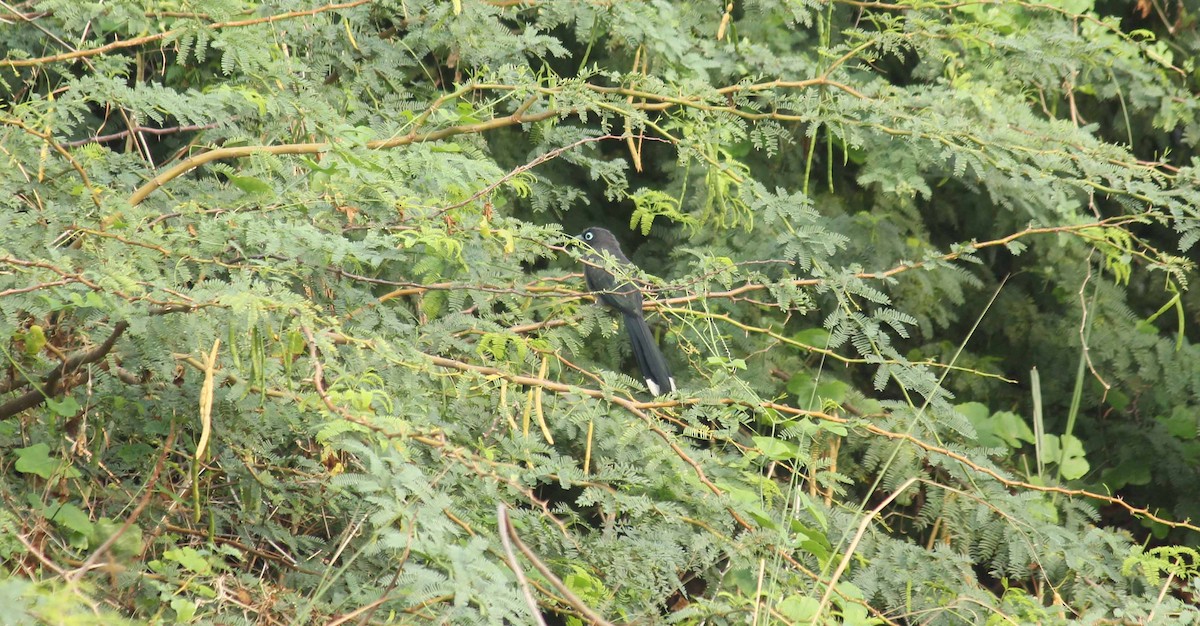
pixel 190 559
pixel 185 610
pixel 798 608
pixel 251 185
pixel 36 459
pixel 776 449
pixel 70 517
pixel 65 407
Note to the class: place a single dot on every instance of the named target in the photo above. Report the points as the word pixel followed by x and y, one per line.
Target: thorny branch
pixel 642 409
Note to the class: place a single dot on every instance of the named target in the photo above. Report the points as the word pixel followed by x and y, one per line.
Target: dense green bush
pixel 295 332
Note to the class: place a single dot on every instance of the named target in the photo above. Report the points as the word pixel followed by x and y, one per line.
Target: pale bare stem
pixel 1140 512
pixel 1162 593
pixel 506 529
pixel 50 383
pixel 140 129
pixel 37 554
pixel 437 104
pixel 282 559
pixel 949 6
pixel 138 41
pixel 54 283
pixel 639 409
pixel 238 152
pixel 1083 335
pixel 896 270
pixel 862 530
pixel 48 138
pixel 515 565
pixel 721 317
pixel 434 440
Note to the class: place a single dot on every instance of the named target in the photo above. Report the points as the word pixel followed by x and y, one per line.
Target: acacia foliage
pixel 292 324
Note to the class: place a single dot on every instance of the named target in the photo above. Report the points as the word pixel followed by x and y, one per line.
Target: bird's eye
pixel 588 236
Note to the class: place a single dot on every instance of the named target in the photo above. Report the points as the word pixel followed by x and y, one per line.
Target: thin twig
pixel 506 529
pixel 858 535
pixel 139 129
pixel 553 154
pixel 148 490
pixel 514 564
pixel 640 409
pixel 137 41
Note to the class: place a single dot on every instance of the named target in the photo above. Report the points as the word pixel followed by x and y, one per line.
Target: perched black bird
pixel 624 298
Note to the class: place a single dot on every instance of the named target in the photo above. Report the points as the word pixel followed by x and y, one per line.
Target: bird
pixel 624 297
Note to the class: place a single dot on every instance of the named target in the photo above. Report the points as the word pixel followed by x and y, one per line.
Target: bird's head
pixel 599 239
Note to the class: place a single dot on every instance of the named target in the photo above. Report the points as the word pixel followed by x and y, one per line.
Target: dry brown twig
pixel 148 490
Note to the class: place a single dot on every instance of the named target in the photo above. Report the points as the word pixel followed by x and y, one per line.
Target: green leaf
pixel 586 586
pixel 1073 464
pixel 852 612
pixel 251 185
pixel 1003 428
pixel 1011 428
pixel 1067 451
pixel 815 511
pixel 975 411
pixel 190 559
pixel 1183 423
pixel 815 337
pixel 128 544
pixel 776 449
pixel 35 340
pixel 185 610
pixel 799 608
pixel 36 459
pixel 1126 473
pixel 70 517
pixel 811 540
pixel 833 427
pixel 66 407
pixel 812 395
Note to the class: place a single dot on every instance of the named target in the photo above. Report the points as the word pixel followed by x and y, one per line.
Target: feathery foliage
pixel 295 332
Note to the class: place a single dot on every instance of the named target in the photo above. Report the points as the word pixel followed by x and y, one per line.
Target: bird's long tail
pixel 649 358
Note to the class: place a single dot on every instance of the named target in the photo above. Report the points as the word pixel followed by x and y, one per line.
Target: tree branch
pixel 138 41
pixel 49 386
pixel 508 532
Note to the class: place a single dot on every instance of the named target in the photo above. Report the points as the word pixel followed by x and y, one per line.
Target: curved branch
pixel 48 388
pixel 139 129
pixel 138 41
pixel 319 147
pixel 520 116
pixel 991 473
pixel 507 532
